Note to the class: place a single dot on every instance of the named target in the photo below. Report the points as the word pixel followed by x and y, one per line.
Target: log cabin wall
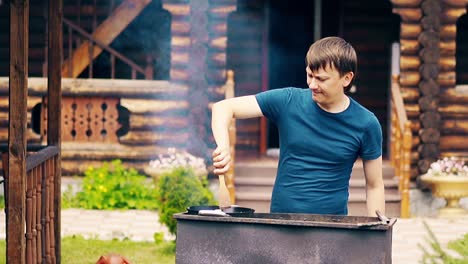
pixel 453 71
pixel 140 119
pixel 428 79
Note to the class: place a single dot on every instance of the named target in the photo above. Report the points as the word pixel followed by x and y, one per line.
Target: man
pixel 322 133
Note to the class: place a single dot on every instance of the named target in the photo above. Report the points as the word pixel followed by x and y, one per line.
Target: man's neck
pixel 337 106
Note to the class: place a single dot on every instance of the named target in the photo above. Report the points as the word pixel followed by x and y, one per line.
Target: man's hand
pixel 221 160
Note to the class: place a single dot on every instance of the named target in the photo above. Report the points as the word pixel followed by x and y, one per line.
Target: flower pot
pixel 452 188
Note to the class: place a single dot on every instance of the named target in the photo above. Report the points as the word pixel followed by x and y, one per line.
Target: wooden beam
pixel 54 100
pixel 16 211
pixel 106 32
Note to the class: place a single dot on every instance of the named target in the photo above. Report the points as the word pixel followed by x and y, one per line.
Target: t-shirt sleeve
pixel 273 102
pixel 371 147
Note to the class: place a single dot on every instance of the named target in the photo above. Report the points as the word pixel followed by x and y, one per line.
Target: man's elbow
pixel 375 184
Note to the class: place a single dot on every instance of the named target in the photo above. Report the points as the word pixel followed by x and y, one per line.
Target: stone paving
pixel 141 225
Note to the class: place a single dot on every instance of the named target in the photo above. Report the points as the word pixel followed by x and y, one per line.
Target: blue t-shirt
pixel 317 150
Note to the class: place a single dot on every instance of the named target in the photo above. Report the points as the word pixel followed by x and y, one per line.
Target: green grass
pixel 77 250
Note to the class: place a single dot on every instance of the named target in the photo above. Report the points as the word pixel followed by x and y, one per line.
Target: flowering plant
pixel 178 159
pixel 448 166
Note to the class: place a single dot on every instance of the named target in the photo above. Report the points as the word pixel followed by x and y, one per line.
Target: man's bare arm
pixel 222 114
pixel 375 191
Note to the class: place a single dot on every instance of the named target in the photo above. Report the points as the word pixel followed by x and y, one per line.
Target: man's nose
pixel 312 83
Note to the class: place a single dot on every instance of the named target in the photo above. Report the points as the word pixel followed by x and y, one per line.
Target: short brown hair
pixel 333 52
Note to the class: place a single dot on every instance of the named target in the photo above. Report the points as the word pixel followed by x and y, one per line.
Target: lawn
pixel 77 250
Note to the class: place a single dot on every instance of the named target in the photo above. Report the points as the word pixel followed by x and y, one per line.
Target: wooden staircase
pixel 103 34
pixel 255 178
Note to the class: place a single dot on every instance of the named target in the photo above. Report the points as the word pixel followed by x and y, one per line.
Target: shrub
pixel 114 187
pixel 176 190
pixel 439 255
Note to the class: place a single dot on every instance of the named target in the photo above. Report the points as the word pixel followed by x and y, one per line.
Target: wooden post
pixel 54 99
pixel 19 22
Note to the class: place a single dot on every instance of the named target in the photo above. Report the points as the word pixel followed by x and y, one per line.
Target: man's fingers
pixel 221 162
pixel 222 170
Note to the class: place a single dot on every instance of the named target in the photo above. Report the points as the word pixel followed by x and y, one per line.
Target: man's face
pixel 326 84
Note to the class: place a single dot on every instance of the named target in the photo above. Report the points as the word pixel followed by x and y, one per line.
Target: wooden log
pixel 412 110
pixel 406 3
pixel 105 87
pixel 177 9
pixel 424 165
pixel 149 137
pixel 87 151
pixel 409 78
pixel 447 63
pixel 430 55
pixel 180 41
pixel 430 135
pixel 32 102
pixel 451 15
pixel 429 39
pixel 409 94
pixel 448 32
pixel 219 43
pixel 428 150
pixel 409 62
pixel 408 14
pixel 448 47
pixel 414 156
pixel 218 28
pixel 428 71
pixel 447 79
pixel 454 110
pixel 455 126
pixel 179 58
pixel 460 153
pixel 431 7
pixel 457 3
pixel 180 27
pixel 409 46
pixel 454 142
pixel 143 121
pixel 217 60
pixel 431 119
pixel 141 106
pixel 222 12
pixel 410 31
pixel 415 142
pixel 179 75
pixel 429 87
pixel 451 96
pixel 430 24
pixel 428 103
pixel 78 167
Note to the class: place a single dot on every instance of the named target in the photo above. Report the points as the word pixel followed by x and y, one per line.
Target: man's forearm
pixel 220 121
pixel 375 199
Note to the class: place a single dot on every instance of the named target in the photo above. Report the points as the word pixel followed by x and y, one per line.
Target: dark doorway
pixel 291 31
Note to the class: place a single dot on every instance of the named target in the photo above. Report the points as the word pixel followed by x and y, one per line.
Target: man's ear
pixel 347 78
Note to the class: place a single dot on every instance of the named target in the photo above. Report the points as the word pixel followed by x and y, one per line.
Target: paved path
pixel 141 225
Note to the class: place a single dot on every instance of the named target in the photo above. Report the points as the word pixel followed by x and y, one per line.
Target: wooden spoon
pixel 223 196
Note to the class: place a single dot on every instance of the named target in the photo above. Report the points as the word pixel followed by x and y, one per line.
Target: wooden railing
pixel 146 71
pixel 40 206
pixel 400 147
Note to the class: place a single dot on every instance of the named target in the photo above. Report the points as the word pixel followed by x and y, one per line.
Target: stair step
pixel 268 168
pixel 267 181
pixel 353 197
